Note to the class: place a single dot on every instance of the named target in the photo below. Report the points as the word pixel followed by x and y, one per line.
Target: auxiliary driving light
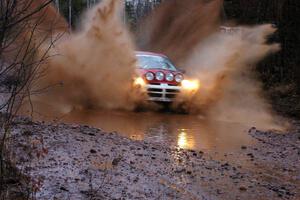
pixel 149 76
pixel 191 85
pixel 169 77
pixel 159 76
pixel 179 78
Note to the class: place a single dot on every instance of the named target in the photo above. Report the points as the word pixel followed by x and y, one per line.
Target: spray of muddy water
pixel 92 68
pixel 230 90
pixel 188 32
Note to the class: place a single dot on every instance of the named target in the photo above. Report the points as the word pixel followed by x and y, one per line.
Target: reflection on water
pixel 184 131
pixel 183 142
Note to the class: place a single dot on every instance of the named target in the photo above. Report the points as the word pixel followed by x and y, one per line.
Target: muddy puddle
pixel 183 131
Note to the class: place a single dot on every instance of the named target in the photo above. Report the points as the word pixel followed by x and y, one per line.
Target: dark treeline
pixel 135 9
pixel 285 14
pixel 138 9
pixel 73 9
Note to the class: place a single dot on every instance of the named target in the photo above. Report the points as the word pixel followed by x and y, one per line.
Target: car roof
pixel 150 53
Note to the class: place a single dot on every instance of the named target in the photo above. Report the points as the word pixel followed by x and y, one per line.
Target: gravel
pixel 69 161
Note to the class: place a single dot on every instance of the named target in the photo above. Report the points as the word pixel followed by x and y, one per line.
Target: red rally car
pixel 160 79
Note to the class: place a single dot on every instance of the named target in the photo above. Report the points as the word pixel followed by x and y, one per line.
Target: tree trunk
pixel 57 4
pixel 70 13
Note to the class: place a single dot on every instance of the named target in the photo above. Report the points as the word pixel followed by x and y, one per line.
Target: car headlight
pixel 169 77
pixel 159 76
pixel 191 85
pixel 139 81
pixel 179 78
pixel 149 76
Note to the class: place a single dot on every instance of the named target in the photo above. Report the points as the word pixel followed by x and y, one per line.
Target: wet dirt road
pixel 183 131
pixel 227 161
pixel 80 162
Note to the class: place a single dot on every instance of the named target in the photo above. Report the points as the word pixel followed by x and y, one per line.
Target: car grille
pixel 172 91
pixel 173 84
pixel 169 84
pixel 157 92
pixel 154 90
pixel 171 96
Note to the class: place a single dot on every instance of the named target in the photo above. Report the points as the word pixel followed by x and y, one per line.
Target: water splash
pixel 94 67
pixel 189 33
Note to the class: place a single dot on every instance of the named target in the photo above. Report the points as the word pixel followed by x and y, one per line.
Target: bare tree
pixel 27 28
pixel 57 4
pixel 70 13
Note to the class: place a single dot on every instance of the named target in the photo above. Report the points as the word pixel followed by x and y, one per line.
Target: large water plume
pixel 95 67
pixel 177 26
pixel 92 68
pixel 225 65
pixel 189 33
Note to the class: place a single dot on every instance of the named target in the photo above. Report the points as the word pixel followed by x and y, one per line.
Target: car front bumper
pixel 162 92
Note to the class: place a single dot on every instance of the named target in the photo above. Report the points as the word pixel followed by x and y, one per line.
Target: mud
pixel 80 162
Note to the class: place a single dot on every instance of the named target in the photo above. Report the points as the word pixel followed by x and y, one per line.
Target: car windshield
pixel 155 62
